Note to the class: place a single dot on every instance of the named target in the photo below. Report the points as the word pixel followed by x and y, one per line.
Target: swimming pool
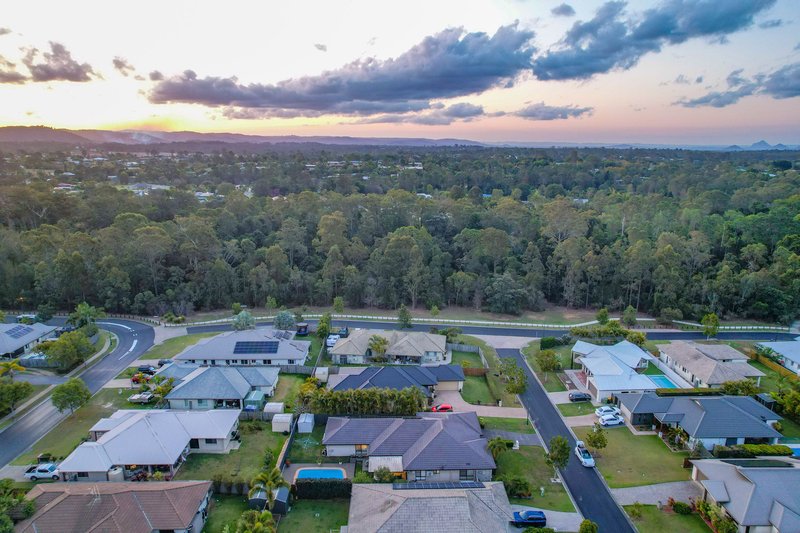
pixel 663 382
pixel 320 473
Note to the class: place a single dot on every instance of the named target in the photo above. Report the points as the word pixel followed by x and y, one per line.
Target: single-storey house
pixel 787 351
pixel 257 347
pixel 707 365
pixel 175 506
pixel 151 440
pixel 430 447
pixel 712 420
pixel 613 369
pixel 18 339
pixel 382 508
pixel 405 347
pixel 217 387
pixel 428 379
pixel 760 495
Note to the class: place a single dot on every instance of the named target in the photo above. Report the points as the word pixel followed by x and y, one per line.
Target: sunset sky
pixel 673 71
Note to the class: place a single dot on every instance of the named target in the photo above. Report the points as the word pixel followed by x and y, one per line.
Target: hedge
pixel 548 342
pixel 748 451
pixel 689 392
pixel 322 489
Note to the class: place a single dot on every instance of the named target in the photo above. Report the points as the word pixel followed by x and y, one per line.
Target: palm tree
pixel 378 346
pixel 496 446
pixel 9 367
pixel 267 482
pixel 255 522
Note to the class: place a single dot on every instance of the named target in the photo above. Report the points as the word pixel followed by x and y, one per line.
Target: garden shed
pixel 305 424
pixel 254 401
pixel 282 422
pixel 272 409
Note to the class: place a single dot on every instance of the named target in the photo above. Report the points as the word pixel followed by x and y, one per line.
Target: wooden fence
pixel 469 348
pixel 782 370
pixel 470 371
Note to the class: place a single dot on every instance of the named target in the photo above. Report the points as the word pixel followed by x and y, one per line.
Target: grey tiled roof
pixel 222 347
pixel 228 382
pixel 401 377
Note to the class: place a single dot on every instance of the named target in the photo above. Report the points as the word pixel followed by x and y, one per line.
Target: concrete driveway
pixel 454 398
pixel 660 492
pixel 558 520
pixel 583 420
pixel 505 341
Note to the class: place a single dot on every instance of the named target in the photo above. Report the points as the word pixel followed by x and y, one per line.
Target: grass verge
pixel 529 462
pixel 172 347
pixel 516 425
pixel 550 380
pixel 576 409
pixel 655 521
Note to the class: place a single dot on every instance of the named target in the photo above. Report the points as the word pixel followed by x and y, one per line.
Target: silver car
pixel 606 410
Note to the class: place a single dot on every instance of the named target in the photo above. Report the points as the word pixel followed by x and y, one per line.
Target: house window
pixel 201 402
pixel 187 403
pixel 83 474
pixel 361 449
pixel 466 475
pixel 269 361
pixel 211 441
pixel 292 361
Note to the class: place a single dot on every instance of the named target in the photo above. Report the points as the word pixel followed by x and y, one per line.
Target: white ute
pixel 43 471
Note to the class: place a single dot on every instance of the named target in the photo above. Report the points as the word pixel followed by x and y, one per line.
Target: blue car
pixel 529 519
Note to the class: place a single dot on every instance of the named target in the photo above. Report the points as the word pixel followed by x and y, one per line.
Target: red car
pixel 442 408
pixel 137 378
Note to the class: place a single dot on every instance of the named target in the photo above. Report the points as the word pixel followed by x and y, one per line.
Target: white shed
pixel 305 424
pixel 282 422
pixel 272 409
pixel 321 373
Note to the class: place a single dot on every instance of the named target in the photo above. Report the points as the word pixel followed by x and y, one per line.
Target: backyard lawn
pixel 529 462
pixel 243 463
pixel 472 358
pixel 224 511
pixel 307 448
pixel 288 387
pixel 517 425
pixel 172 347
pixel 315 516
pixel 476 391
pixel 550 380
pixel 68 434
pixel 496 385
pixel 576 409
pixel 655 521
pixel 631 460
pixel 653 370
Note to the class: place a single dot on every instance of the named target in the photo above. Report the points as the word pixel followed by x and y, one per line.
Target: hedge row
pixel 689 392
pixel 322 489
pixel 748 451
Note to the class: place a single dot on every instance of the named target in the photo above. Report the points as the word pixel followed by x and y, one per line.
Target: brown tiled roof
pixel 114 507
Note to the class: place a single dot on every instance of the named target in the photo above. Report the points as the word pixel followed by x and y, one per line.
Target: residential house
pixel 382 508
pixel 712 420
pixel 259 347
pixel 19 339
pixel 760 495
pixel 428 379
pixel 405 347
pixel 217 387
pixel 430 447
pixel 707 365
pixel 151 440
pixel 613 369
pixel 787 351
pixel 178 507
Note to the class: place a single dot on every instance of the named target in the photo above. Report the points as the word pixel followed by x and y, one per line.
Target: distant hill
pixel 38 134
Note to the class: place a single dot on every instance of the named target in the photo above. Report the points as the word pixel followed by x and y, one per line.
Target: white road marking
pixel 115 324
pixel 129 351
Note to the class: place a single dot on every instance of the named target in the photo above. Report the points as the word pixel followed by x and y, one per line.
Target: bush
pixel 322 489
pixel 747 451
pixel 682 508
pixel 538 530
pixel 778 427
pixel 384 475
pixel 548 342
pixel 636 510
pixel 517 487
pixel 363 477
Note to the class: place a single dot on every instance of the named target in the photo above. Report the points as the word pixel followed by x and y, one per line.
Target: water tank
pixel 116 474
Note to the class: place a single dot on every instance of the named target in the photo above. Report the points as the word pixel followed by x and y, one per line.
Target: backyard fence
pixel 469 348
pixel 471 371
pixel 769 363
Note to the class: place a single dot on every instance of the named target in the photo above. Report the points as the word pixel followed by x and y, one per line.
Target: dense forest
pixel 670 232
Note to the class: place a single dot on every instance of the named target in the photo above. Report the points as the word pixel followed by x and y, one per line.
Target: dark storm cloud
pixel 541 111
pixel 611 41
pixel 57 65
pixel 784 82
pixel 780 84
pixel 156 76
pixel 564 10
pixel 449 64
pixel 122 65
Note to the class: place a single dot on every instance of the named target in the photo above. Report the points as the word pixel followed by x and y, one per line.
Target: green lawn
pixel 550 380
pixel 172 347
pixel 243 463
pixel 307 448
pixel 655 521
pixel 476 391
pixel 472 358
pixel 529 462
pixel 576 409
pixel 68 434
pixel 653 370
pixel 313 350
pixel 224 511
pixel 496 385
pixel 127 373
pixel 315 516
pixel 791 429
pixel 517 425
pixel 288 387
pixel 632 460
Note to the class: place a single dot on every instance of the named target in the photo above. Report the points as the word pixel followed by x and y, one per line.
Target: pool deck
pixel 290 471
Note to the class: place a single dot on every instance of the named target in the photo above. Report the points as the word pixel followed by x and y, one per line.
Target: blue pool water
pixel 320 473
pixel 663 382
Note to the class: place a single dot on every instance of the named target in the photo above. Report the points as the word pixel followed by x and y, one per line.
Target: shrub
pixel 768 449
pixel 548 342
pixel 363 477
pixel 538 530
pixel 323 489
pixel 778 427
pixel 682 508
pixel 517 487
pixel 384 475
pixel 587 526
pixel 636 510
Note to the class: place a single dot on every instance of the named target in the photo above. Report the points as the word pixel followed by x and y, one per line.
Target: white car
pixel 330 342
pixel 606 410
pixel 583 455
pixel 43 471
pixel 611 420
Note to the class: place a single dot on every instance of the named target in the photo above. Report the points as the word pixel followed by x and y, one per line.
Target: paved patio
pixel 558 520
pixel 454 398
pixel 660 492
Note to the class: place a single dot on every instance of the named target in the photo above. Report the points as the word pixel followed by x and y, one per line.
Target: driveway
pixel 525 439
pixel 505 341
pixel 660 492
pixel 454 398
pixel 559 397
pixel 578 421
pixel 118 384
pixel 17 473
pixel 558 520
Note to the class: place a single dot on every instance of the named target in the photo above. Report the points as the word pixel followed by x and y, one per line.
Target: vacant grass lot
pixel 550 380
pixel 243 463
pixel 172 347
pixel 288 387
pixel 315 516
pixel 517 425
pixel 224 511
pixel 631 460
pixel 576 409
pixel 529 462
pixel 655 521
pixel 68 434
pixel 476 391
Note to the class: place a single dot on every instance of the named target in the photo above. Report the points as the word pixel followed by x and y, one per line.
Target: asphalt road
pixel 591 494
pixel 134 339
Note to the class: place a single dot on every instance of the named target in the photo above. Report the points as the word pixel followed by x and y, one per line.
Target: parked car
pixel 137 378
pixel 343 332
pixel 43 471
pixel 529 519
pixel 162 362
pixel 142 397
pixel 611 420
pixel 146 369
pixel 606 410
pixel 330 342
pixel 442 408
pixel 583 455
pixel 576 396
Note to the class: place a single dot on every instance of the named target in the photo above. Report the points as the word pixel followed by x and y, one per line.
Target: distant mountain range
pixel 41 134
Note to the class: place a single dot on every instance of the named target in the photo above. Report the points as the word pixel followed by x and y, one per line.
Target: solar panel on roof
pixel 18 331
pixel 432 485
pixel 256 347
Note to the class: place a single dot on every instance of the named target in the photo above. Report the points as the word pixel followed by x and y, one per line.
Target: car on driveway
pixel 529 519
pixel 442 408
pixel 330 342
pixel 583 455
pixel 611 420
pixel 577 396
pixel 146 369
pixel 162 362
pixel 141 378
pixel 43 471
pixel 606 410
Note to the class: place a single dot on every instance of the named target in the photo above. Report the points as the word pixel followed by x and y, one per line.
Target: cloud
pixel 780 84
pixel 156 76
pixel 5 31
pixel 321 47
pixel 682 80
pixel 58 65
pixel 610 41
pixel 564 10
pixel 698 79
pixel 449 64
pixel 768 24
pixel 8 72
pixel 122 65
pixel 784 82
pixel 541 111
pixel 461 112
pixel 720 98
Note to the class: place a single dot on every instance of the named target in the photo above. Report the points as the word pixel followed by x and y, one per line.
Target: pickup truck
pixel 529 519
pixel 142 397
pixel 43 471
